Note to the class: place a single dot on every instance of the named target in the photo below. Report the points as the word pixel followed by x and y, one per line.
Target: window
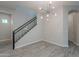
pixel 4 21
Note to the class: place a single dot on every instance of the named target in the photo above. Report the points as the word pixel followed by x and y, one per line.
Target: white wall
pixel 35 35
pixel 53 28
pixel 22 15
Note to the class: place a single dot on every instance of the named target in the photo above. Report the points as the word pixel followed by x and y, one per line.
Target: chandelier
pixel 47 12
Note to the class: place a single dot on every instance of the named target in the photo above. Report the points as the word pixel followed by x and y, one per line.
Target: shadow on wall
pixel 72 11
pixel 26 11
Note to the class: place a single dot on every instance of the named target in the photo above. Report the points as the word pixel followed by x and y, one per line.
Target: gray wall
pixel 53 28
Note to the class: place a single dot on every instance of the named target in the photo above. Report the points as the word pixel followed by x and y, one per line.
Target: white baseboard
pixel 56 43
pixel 27 44
pixel 76 43
pixel 42 40
pixel 4 40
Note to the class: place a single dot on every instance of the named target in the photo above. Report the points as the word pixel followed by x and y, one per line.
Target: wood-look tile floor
pixel 40 49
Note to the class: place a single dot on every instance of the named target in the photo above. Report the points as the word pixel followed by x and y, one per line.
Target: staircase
pixel 23 30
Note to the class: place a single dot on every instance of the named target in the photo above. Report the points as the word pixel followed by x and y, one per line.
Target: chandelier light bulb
pixel 50 2
pixel 55 14
pixel 41 17
pixel 48 11
pixel 53 7
pixel 47 15
pixel 47 19
pixel 40 8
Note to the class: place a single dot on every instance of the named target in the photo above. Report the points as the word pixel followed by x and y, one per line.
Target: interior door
pixel 5 27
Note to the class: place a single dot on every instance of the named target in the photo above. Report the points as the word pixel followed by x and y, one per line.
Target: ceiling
pixel 33 4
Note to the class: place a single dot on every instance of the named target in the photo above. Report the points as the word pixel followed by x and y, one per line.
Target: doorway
pixel 5 30
pixel 73 27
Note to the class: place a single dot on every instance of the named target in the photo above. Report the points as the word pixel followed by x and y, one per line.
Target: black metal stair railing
pixel 22 30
